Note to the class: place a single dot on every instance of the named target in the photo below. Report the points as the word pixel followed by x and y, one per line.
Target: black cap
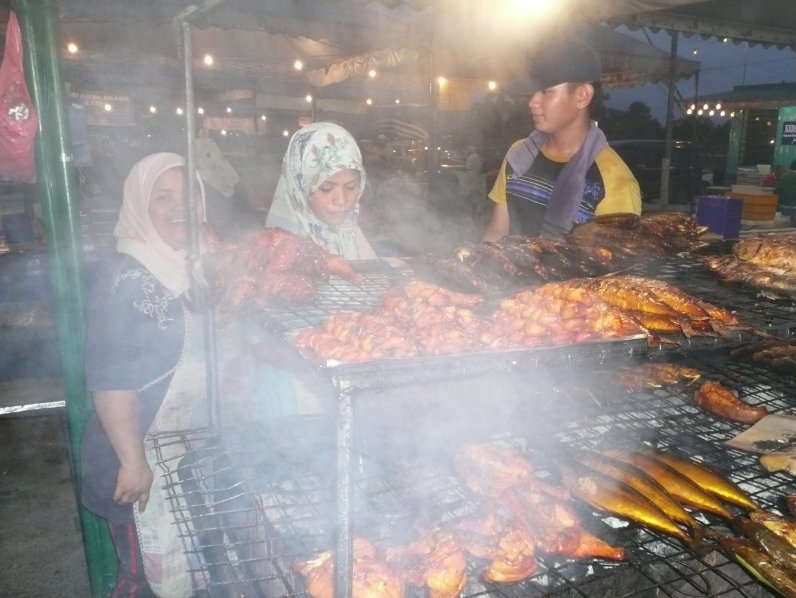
pixel 567 61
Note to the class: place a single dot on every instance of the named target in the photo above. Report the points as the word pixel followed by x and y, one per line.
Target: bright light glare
pixel 492 85
pixel 372 73
pixel 533 6
pixel 369 102
pixel 108 107
pixel 308 98
pixel 397 101
pixel 285 133
pixel 200 110
pixel 705 107
pixel 153 109
pixel 722 113
pixel 72 48
pixel 208 60
pixel 718 105
pixel 179 111
pixel 263 117
pixel 223 131
pixel 229 110
pixel 298 65
pixel 441 81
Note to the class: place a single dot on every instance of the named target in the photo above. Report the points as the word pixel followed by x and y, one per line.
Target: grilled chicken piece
pixel 489 470
pixel 435 561
pixel 372 577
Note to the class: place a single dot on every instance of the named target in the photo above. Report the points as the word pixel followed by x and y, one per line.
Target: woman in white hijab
pixel 319 190
pixel 145 369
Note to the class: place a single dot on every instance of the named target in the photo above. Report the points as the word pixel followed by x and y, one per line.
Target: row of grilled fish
pixel 654 489
pixel 602 245
pixel 767 264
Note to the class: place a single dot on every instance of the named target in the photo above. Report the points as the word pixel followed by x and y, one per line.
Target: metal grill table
pixel 297 490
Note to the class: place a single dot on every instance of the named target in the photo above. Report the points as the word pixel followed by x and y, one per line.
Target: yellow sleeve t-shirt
pixel 610 188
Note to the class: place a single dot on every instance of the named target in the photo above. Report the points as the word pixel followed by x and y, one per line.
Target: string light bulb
pixel 72 48
pixel 208 60
pixel 298 65
pixel 153 109
pixel 372 73
pixel 492 85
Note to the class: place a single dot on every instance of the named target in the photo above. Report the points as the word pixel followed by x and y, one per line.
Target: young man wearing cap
pixel 564 172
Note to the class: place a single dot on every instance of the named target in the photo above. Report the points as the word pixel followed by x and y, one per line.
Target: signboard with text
pixel 789 133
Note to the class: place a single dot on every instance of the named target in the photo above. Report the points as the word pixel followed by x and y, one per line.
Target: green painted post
pixel 57 191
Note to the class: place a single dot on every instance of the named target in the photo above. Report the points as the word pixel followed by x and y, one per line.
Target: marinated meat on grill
pixel 372 577
pixel 720 400
pixel 655 375
pixel 268 265
pixel 489 470
pixel 355 337
pixel 556 530
pixel 436 561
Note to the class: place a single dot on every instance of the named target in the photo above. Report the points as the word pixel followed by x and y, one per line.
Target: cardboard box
pixel 757 207
pixel 721 214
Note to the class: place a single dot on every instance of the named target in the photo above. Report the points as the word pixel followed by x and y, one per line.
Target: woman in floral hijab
pixel 319 190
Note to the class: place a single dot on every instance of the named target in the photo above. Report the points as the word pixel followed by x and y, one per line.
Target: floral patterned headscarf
pixel 316 152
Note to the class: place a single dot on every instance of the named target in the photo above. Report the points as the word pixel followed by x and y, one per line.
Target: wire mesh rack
pixel 254 502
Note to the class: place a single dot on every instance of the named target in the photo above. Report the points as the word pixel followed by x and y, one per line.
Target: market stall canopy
pixel 125 45
pixel 763 22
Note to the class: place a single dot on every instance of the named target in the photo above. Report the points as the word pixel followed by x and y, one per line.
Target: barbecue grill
pixel 252 503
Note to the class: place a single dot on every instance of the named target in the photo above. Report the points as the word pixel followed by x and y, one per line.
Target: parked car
pixel 644 156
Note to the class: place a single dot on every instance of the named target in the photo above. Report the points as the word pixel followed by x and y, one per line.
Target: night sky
pixel 724 66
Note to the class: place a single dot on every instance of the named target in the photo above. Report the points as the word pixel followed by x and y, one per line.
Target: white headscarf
pixel 316 152
pixel 136 235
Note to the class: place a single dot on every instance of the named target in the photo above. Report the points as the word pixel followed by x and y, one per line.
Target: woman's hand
pixel 133 482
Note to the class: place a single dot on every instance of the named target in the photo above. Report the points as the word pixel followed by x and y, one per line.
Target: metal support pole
pixel 345 447
pixel 667 157
pixel 57 191
pixel 211 354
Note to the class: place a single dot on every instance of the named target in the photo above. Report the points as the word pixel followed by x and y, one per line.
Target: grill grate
pixel 254 503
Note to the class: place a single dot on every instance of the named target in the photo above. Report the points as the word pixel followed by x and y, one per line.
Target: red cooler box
pixel 721 214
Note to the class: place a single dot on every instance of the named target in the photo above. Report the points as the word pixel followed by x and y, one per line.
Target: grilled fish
pixel 707 479
pixel 719 400
pixel 678 485
pixel 611 496
pixel 643 484
pixel 783 527
pixel 761 564
pixel 774 544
